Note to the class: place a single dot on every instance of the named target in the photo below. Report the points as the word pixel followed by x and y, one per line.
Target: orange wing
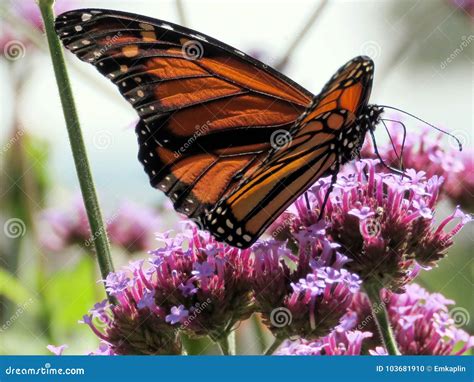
pixel 326 136
pixel 207 111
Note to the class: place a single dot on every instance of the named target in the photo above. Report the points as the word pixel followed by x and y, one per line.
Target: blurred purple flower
pixel 304 295
pixel 460 186
pixel 382 222
pixel 421 322
pixel 335 343
pixel 465 5
pixel 133 227
pixel 12 40
pixel 103 349
pixel 57 350
pixel 379 350
pixel 62 228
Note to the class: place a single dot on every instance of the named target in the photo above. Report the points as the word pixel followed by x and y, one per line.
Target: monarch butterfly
pixel 231 141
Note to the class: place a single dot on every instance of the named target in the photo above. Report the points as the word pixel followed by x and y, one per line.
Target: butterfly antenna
pixel 395 170
pixel 328 192
pixel 427 123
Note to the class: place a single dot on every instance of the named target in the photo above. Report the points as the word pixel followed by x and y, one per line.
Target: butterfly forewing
pixel 207 110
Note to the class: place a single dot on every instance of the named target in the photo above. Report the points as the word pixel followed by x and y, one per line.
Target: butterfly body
pixel 229 140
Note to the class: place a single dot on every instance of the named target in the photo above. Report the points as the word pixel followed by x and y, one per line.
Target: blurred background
pixel 423 52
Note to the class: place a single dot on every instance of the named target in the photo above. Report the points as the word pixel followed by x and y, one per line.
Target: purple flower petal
pixel 57 350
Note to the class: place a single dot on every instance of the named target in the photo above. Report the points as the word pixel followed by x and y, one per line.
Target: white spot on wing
pixel 86 16
pixel 198 36
pixel 146 27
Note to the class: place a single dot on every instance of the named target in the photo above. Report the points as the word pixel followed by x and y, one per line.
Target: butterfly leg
pixel 395 170
pixel 307 201
pixel 328 192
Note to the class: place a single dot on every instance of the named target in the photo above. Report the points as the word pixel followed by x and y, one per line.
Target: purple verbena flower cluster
pixel 378 228
pixel 192 283
pixel 383 223
pixel 304 294
pixel 421 321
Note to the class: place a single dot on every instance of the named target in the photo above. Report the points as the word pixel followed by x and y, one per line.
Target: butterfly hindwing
pixel 326 136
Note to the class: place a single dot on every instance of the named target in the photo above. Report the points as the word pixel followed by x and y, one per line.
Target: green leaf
pixel 70 294
pixel 11 288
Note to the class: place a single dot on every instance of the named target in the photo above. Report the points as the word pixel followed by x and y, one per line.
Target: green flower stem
pixel 77 142
pixel 231 339
pixel 226 342
pixel 274 346
pixel 259 333
pixel 224 346
pixel 381 318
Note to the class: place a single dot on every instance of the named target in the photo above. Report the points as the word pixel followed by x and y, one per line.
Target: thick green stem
pixel 381 318
pixel 231 340
pixel 259 333
pixel 226 342
pixel 274 346
pixel 79 153
pixel 224 346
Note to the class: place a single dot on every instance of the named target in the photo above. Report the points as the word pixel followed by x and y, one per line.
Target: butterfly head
pixel 371 116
